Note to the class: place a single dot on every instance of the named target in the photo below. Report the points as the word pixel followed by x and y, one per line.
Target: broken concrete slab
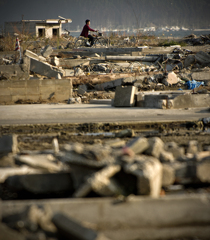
pixel 168 177
pixel 201 76
pixel 176 100
pixel 189 60
pixel 100 182
pixel 136 146
pixel 40 161
pixel 82 89
pixel 148 171
pixel 101 101
pixel 69 72
pixel 8 172
pixel 31 54
pixel 155 148
pixel 47 51
pixel 132 58
pixel 109 85
pixel 41 183
pixel 203 170
pixel 202 58
pixel 8 144
pixel 44 69
pixel 15 71
pixel 72 229
pixel 124 96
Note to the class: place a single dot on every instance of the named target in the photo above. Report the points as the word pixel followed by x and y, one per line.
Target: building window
pixel 41 32
pixel 55 32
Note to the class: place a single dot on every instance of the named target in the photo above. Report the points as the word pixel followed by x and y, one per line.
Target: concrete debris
pixel 43 162
pixel 44 69
pixel 79 72
pixel 15 71
pixel 148 171
pixel 33 183
pixel 8 144
pixel 202 58
pixel 136 146
pixel 124 96
pixel 68 228
pixel 74 100
pixel 155 148
pixel 47 51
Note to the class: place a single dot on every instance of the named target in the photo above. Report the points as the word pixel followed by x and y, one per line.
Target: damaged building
pixel 40 28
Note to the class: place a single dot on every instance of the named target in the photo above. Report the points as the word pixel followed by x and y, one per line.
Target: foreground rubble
pixel 117 168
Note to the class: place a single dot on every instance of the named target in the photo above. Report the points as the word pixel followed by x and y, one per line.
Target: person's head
pixel 87 22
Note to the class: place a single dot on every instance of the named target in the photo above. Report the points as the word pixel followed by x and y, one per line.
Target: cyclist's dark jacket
pixel 85 30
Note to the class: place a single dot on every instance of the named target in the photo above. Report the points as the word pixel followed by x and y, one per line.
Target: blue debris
pixel 194 84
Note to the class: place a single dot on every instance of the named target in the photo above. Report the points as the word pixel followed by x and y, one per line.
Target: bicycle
pixel 98 40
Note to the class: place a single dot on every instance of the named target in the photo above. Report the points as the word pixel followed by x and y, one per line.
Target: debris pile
pixel 117 168
pixel 142 166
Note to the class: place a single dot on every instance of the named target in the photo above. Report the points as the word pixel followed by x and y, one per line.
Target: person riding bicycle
pixel 85 31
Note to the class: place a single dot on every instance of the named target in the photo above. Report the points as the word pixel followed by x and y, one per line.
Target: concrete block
pixel 202 58
pixel 136 146
pixel 5 84
pixel 148 171
pixel 44 69
pixel 181 100
pixel 192 147
pixel 203 170
pixel 33 83
pixel 42 161
pixel 33 55
pixel 32 91
pixel 125 133
pixel 72 229
pixel 124 96
pixel 139 99
pixel 14 72
pixel 166 156
pixel 6 99
pixel 45 183
pixel 82 89
pixel 156 146
pixel 190 59
pixel 101 101
pixel 47 92
pixel 47 51
pixel 100 182
pixel 201 76
pixel 5 91
pixel 69 72
pixel 109 85
pixel 48 82
pixel 168 175
pixel 18 91
pixel 8 144
pixel 173 148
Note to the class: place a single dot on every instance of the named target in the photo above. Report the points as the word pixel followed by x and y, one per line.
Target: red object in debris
pixel 17 45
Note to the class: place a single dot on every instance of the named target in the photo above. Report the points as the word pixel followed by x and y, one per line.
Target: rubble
pixel 124 96
pixel 70 229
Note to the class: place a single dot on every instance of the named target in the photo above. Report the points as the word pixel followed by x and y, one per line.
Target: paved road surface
pixel 86 113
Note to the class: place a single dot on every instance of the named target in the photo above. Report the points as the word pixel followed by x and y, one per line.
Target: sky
pixel 15 10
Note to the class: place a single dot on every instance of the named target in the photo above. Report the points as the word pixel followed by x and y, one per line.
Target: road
pixel 87 113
